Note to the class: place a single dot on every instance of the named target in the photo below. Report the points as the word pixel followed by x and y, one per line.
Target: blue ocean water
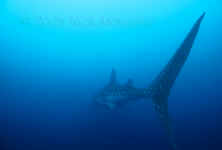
pixel 55 55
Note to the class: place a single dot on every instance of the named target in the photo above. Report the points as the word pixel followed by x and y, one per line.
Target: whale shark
pixel 114 95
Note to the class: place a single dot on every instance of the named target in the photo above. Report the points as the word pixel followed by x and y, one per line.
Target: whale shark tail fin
pixel 161 86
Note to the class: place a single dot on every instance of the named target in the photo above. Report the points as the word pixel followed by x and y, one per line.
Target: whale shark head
pixel 108 99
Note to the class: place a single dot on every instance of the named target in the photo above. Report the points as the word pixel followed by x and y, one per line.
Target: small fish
pixel 115 95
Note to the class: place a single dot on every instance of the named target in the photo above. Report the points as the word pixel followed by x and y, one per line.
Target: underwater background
pixel 55 55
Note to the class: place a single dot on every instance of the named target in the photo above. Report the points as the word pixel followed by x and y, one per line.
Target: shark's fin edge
pixel 113 80
pixel 161 86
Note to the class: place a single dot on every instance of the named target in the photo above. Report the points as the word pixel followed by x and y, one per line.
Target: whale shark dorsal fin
pixel 162 84
pixel 129 83
pixel 113 80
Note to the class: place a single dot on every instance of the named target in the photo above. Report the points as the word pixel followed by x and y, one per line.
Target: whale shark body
pixel 114 95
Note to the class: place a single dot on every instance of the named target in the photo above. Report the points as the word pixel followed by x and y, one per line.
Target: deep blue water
pixel 55 55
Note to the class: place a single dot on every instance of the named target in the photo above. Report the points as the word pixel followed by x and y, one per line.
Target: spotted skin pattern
pixel 114 95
